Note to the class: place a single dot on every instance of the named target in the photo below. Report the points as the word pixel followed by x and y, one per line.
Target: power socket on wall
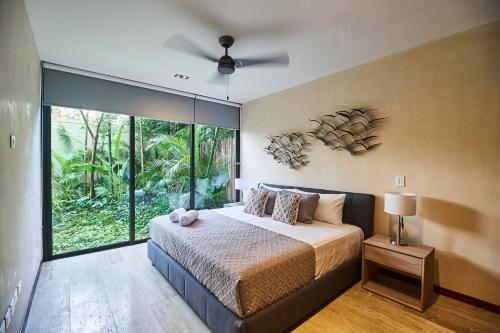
pixel 3 326
pixel 7 318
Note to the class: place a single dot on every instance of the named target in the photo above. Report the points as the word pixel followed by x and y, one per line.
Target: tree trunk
pixel 85 175
pixel 95 142
pixel 212 152
pixel 94 157
pixel 110 159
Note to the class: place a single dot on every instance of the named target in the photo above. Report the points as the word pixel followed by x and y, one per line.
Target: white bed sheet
pixel 333 244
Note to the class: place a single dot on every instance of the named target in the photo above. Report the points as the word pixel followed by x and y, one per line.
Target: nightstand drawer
pixel 395 260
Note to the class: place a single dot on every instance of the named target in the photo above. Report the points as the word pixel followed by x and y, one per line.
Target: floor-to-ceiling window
pixel 100 196
pixel 162 168
pixel 215 166
pixel 90 191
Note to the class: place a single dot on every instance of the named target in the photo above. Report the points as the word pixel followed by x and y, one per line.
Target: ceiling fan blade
pixel 219 79
pixel 218 21
pixel 182 44
pixel 278 59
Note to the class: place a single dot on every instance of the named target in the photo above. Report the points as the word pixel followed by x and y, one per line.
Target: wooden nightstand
pixel 404 274
pixel 234 204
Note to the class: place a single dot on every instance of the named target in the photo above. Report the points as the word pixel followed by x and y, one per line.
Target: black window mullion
pixel 237 134
pixel 192 168
pixel 131 184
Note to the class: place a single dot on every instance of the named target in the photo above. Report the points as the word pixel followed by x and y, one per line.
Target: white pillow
pixel 330 207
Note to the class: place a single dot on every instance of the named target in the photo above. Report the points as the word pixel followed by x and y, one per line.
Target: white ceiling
pixel 125 38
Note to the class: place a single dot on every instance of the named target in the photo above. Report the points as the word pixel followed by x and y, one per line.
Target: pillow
pixel 256 202
pixel 307 207
pixel 286 207
pixel 272 198
pixel 330 207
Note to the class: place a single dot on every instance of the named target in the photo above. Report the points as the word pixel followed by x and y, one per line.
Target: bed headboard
pixel 358 207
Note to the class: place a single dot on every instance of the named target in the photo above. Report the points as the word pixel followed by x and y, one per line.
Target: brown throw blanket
pixel 246 267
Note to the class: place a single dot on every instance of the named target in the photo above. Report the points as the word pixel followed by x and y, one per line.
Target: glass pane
pixel 215 166
pixel 162 165
pixel 90 205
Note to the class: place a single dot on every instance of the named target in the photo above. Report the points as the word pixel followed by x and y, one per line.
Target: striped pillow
pixel 286 207
pixel 256 202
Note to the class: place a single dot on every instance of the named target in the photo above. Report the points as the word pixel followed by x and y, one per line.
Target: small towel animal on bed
pixel 176 214
pixel 188 218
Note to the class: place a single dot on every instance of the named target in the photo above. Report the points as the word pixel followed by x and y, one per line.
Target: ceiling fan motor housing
pixel 226 65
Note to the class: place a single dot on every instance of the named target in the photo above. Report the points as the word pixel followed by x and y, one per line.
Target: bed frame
pixel 287 312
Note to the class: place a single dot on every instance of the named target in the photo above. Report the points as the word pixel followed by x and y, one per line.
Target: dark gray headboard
pixel 358 207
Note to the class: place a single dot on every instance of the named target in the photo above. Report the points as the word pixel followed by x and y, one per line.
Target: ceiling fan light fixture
pixel 226 65
pixel 181 76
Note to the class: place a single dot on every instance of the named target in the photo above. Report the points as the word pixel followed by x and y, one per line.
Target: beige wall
pixel 20 194
pixel 443 100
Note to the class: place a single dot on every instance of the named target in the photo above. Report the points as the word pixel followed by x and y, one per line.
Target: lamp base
pixel 395 242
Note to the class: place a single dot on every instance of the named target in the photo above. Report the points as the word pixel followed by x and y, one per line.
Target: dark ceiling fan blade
pixel 182 44
pixel 219 22
pixel 218 79
pixel 278 59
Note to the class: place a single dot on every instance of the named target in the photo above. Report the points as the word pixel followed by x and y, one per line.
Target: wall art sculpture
pixel 350 130
pixel 289 149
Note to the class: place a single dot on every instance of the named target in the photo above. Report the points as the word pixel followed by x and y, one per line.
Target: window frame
pixel 47 186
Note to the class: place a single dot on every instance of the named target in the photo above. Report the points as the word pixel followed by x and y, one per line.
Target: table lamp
pixel 401 204
pixel 240 184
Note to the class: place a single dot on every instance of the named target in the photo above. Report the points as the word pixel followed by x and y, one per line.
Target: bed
pixel 243 273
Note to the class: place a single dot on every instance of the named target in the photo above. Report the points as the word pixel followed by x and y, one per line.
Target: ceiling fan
pixel 226 65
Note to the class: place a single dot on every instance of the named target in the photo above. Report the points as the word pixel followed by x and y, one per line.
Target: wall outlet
pixel 8 318
pixel 399 181
pixel 3 326
pixel 12 141
pixel 12 306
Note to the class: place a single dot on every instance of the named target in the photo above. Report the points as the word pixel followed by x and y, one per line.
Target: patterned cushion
pixel 256 202
pixel 271 200
pixel 286 207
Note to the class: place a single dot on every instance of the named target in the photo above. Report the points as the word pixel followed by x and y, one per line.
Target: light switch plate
pixel 399 181
pixel 12 141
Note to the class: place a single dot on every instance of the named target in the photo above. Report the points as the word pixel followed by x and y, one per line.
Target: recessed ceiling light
pixel 180 76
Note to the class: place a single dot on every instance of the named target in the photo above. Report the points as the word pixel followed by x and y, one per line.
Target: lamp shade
pixel 400 203
pixel 240 184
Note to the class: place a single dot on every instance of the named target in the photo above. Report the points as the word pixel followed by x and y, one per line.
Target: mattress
pixel 333 244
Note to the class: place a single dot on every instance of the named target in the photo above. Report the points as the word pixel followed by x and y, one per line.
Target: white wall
pixel 20 168
pixel 443 100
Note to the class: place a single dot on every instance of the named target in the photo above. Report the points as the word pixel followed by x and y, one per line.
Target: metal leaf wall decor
pixel 288 149
pixel 348 130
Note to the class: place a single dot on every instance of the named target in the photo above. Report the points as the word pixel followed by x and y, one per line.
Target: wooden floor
pixel 119 291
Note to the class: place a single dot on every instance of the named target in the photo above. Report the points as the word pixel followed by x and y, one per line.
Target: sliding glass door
pixel 89 178
pixel 107 175
pixel 162 165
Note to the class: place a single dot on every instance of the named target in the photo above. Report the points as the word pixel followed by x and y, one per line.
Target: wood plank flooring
pixel 120 291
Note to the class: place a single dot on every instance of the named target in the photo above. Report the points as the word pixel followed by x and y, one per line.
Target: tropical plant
pixel 90 174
